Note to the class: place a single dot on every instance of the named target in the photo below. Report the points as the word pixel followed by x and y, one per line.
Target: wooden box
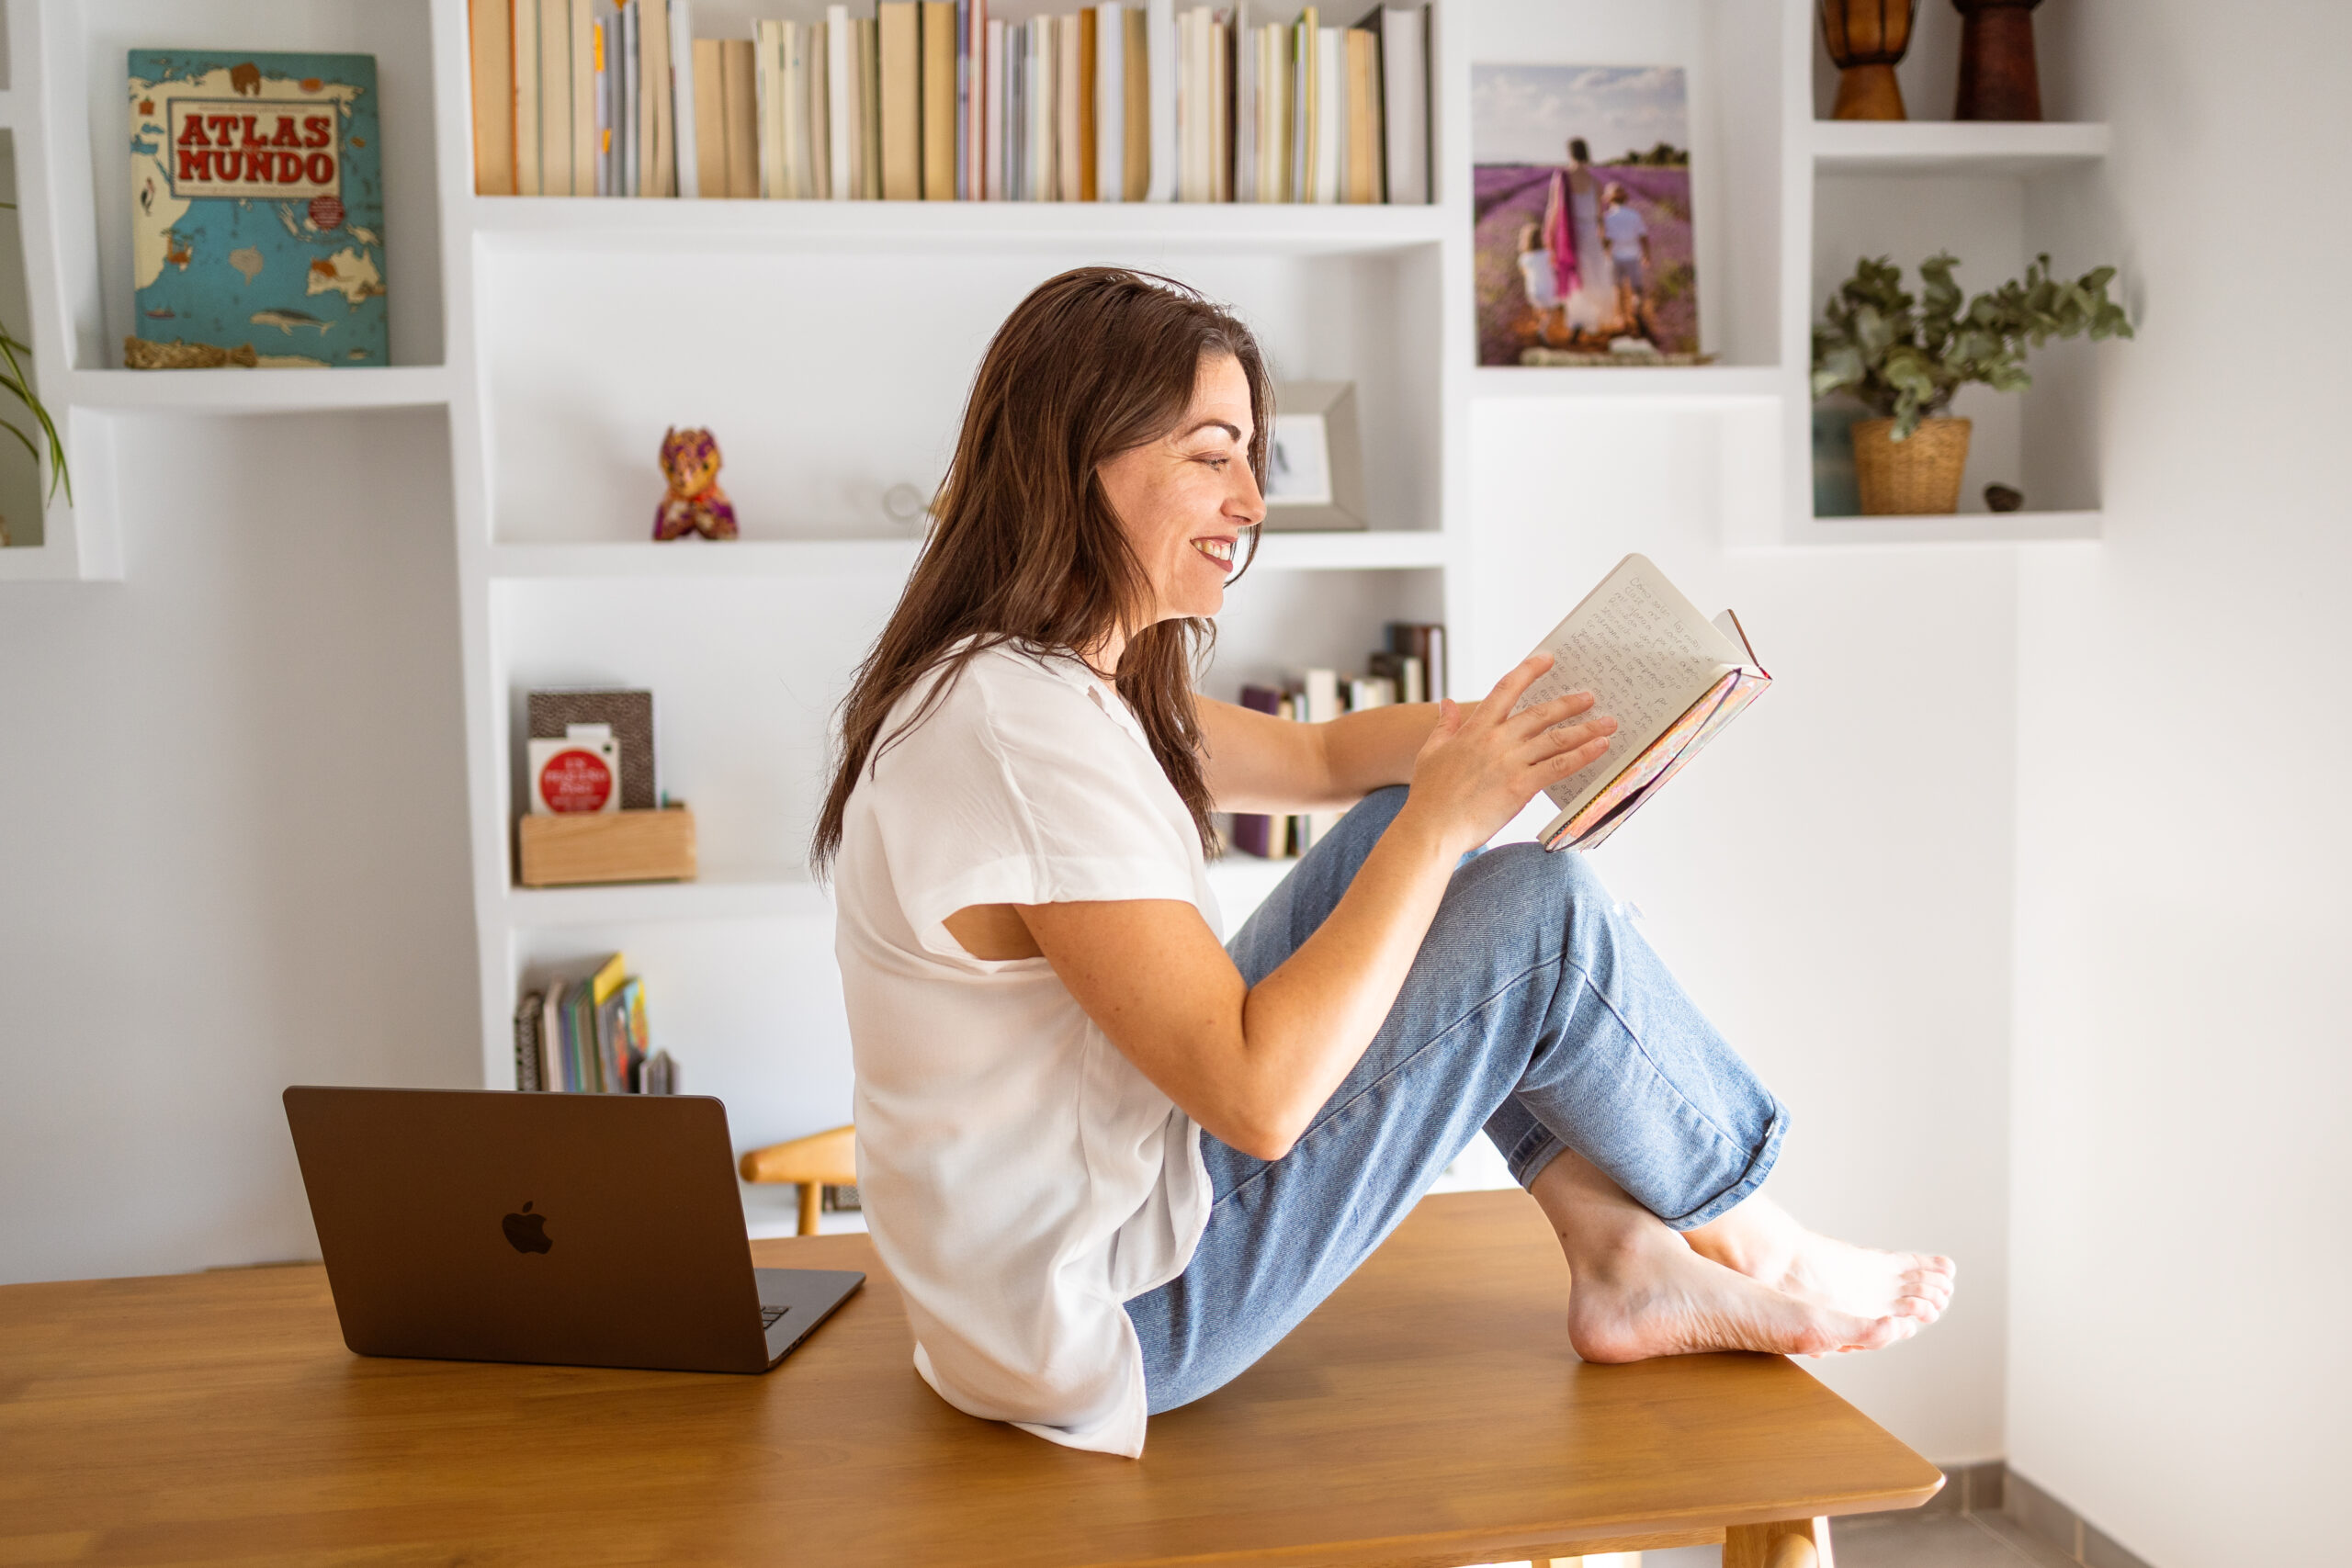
pixel 613 846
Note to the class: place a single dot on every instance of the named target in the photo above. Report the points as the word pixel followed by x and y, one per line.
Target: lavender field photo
pixel 1582 215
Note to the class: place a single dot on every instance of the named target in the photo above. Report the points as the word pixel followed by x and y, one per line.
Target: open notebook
pixel 1671 678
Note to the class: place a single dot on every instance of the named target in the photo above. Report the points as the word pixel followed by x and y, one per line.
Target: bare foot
pixel 1640 1290
pixel 1653 1296
pixel 1762 1241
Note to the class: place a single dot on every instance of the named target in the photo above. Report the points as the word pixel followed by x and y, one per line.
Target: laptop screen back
pixel 581 1229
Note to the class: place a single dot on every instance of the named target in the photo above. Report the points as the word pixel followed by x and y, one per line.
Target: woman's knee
pixel 1525 883
pixel 1378 809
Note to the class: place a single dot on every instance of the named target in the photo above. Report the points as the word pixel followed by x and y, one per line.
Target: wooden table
pixel 1431 1413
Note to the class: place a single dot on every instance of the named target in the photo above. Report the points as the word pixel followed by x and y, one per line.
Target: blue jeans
pixel 1534 1009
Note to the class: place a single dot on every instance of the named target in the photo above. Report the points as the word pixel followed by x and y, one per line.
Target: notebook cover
pixel 257 205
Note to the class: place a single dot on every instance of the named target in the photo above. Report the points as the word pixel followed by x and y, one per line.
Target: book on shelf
pixel 1400 672
pixel 939 100
pixel 549 714
pixel 256 210
pixel 738 80
pixel 1671 679
pixel 586 1034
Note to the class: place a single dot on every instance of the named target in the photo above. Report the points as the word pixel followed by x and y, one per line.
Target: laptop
pixel 590 1230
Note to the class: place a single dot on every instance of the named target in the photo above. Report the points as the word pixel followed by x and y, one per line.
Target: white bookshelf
pixel 829 344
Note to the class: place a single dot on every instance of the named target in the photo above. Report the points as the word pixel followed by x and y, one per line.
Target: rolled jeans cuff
pixel 1539 1148
pixel 1767 1153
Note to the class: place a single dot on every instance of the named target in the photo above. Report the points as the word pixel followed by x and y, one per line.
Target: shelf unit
pixel 1992 193
pixel 829 344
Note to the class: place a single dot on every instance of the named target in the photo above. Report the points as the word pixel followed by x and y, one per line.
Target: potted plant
pixel 17 384
pixel 1904 358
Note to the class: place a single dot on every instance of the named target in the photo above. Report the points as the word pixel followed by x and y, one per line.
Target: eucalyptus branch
pixel 1905 358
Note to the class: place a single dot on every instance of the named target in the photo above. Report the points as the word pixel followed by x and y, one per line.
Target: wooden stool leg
pixel 809 1194
pixel 1784 1543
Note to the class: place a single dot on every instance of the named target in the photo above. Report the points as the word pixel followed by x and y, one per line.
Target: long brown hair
pixel 1023 547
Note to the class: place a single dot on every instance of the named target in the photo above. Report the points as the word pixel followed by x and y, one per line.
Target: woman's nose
pixel 1247 500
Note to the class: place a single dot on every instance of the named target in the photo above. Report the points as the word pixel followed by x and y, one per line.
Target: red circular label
pixel 326 211
pixel 575 781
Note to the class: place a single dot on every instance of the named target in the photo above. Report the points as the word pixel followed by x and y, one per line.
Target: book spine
pixel 1159 54
pixel 1245 108
pixel 585 180
pixel 524 51
pixel 652 102
pixel 938 100
pixel 711 119
pixel 994 152
pixel 766 51
pixel 1110 104
pixel 901 69
pixel 491 34
pixel 555 97
pixel 527 1042
pixel 1069 119
pixel 963 149
pixel 742 127
pixel 685 111
pixel 840 105
pixel 1089 116
pixel 815 76
pixel 975 106
pixel 1045 54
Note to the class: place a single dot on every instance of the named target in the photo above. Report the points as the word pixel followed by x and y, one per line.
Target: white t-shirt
pixel 1021 1179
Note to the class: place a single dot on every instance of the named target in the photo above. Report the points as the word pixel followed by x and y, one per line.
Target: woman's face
pixel 1185 498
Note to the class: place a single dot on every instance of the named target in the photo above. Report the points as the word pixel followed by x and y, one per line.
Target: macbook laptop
pixel 593 1230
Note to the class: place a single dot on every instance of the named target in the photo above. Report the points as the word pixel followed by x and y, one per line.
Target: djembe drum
pixel 1866 39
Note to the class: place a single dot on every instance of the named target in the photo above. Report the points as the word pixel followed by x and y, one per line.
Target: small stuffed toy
pixel 694 505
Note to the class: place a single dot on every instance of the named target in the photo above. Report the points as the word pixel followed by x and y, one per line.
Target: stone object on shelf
pixel 1997 76
pixel 2003 498
pixel 1866 40
pixel 695 503
pixel 614 846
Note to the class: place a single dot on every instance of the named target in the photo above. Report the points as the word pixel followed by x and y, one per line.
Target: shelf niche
pixel 822 406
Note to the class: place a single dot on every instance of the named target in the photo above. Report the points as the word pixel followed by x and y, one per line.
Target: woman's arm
pixel 1253 1065
pixel 1256 762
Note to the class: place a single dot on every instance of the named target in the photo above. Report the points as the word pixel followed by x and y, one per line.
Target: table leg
pixel 1784 1543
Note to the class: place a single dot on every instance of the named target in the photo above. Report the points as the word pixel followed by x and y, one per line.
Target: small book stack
pixel 1411 669
pixel 936 100
pixel 586 1034
pixel 596 812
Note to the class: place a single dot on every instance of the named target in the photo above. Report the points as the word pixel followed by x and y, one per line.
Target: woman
pixel 1110 1161
pixel 1582 277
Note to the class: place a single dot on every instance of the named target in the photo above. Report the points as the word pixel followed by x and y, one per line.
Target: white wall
pixel 2178 1367
pixel 233 838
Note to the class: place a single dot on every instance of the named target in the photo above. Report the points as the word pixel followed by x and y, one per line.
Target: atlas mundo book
pixel 1672 678
pixel 256 210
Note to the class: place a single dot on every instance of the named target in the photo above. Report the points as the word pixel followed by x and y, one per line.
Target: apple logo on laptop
pixel 526 1232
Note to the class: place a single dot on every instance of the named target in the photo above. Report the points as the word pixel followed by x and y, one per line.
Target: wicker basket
pixel 1917 476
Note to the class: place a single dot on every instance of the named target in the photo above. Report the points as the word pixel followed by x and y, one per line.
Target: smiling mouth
pixel 1217 551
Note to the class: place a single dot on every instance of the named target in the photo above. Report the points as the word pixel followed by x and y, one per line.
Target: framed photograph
pixel 1315 461
pixel 1582 215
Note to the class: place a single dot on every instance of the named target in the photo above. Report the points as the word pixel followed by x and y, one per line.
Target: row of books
pixel 1411 669
pixel 586 1034
pixel 937 100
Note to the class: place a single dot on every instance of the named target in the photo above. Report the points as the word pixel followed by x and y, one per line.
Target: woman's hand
pixel 1479 768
